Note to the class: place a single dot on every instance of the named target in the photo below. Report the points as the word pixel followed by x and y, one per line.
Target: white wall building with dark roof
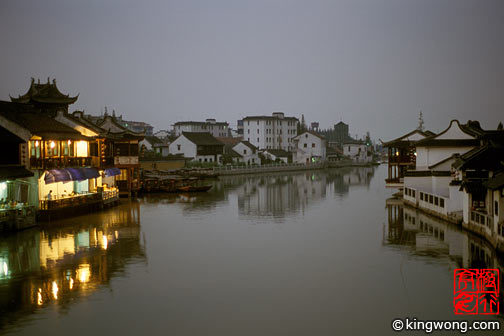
pixel 310 147
pixel 271 132
pixel 216 128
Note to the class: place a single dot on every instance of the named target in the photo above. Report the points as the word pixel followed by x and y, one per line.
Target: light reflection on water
pixel 305 253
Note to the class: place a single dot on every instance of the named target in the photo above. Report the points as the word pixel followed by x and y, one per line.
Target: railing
pixel 401 159
pixel 481 218
pixel 108 194
pixel 70 201
pixel 60 162
pixel 268 166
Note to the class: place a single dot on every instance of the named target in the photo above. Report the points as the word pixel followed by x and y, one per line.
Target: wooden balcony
pixel 401 160
pixel 60 162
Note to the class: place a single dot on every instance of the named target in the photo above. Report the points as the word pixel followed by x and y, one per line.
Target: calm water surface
pixel 308 253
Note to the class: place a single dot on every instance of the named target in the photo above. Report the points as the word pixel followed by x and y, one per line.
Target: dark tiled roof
pixel 13 171
pixel 45 93
pixel 482 158
pixel 495 182
pixel 278 152
pixel 202 138
pixel 312 133
pixel 200 123
pixel 270 118
pixel 228 150
pixel 249 145
pixel 401 142
pixel 38 123
pixel 230 140
pixel 154 140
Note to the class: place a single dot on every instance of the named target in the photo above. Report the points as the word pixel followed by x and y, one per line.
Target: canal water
pixel 325 252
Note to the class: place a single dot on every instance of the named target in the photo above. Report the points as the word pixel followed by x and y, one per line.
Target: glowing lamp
pixel 52 144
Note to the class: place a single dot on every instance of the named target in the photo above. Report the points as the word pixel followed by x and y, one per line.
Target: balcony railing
pixel 70 201
pixel 60 162
pixel 401 160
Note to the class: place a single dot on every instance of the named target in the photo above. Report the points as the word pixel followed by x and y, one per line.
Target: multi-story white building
pixel 271 132
pixel 217 129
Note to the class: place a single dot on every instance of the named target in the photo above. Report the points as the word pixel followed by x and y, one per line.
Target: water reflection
pixel 64 261
pixel 274 195
pixel 429 237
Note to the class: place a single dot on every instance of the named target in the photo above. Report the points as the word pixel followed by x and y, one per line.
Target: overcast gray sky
pixel 372 63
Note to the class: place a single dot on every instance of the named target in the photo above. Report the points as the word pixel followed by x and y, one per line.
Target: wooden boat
pixel 191 188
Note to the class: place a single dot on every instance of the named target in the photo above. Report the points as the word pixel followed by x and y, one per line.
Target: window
pixel 441 202
pixel 257 122
pixel 431 199
pixel 258 131
pixel 244 151
pixel 496 208
pixel 210 159
pixel 205 159
pixel 436 201
pixel 248 131
pixel 313 145
pixel 257 139
pixel 413 191
pixel 178 147
pixel 305 145
pixel 306 136
pixel 349 148
pixel 421 196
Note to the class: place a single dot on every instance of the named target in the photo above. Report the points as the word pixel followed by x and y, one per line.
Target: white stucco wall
pixel 187 148
pixel 309 140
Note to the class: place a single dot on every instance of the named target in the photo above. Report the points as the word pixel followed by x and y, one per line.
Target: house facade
pixel 215 128
pixel 247 152
pixel 358 152
pixel 198 147
pixel 310 148
pixel 271 132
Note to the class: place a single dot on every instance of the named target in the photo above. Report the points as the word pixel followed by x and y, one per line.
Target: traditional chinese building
pixel 46 97
pixel 402 156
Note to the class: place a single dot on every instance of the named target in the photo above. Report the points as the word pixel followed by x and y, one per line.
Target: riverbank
pixel 280 167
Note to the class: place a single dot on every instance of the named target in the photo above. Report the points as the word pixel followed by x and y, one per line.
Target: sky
pixel 373 64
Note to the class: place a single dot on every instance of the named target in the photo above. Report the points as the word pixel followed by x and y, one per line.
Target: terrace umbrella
pixel 112 171
pixel 77 174
pixel 57 175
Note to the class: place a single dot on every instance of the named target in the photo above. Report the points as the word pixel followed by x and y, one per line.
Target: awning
pixel 77 174
pixel 57 175
pixel 91 173
pixel 70 174
pixel 112 171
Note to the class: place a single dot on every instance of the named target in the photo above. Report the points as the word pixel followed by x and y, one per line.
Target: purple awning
pixel 112 171
pixel 57 175
pixel 91 173
pixel 77 174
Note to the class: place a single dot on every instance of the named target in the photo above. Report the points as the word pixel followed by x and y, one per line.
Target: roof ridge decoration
pixel 44 93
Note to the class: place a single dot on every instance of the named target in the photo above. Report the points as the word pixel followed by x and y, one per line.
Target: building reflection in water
pixel 428 236
pixel 273 195
pixel 70 260
pixel 277 195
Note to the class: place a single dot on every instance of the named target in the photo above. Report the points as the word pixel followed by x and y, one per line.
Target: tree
pixel 499 127
pixel 420 122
